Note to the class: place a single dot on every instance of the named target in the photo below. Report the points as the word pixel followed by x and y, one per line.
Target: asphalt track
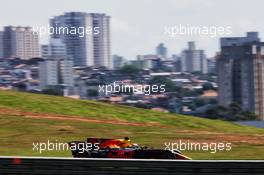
pixel 53 165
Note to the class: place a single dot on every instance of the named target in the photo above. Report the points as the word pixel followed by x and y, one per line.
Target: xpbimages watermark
pixel 191 30
pixel 212 147
pixel 62 146
pixel 130 88
pixel 80 31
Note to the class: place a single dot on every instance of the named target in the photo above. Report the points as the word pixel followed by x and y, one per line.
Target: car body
pixel 119 148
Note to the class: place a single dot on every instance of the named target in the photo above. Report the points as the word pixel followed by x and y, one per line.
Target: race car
pixel 119 148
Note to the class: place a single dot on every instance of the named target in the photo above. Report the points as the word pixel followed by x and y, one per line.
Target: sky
pixel 138 26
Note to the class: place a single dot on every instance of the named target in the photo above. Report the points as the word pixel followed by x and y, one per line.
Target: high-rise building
pixel 240 69
pixel 177 63
pixel 56 48
pixel 1 45
pixel 48 73
pixel 118 61
pixel 193 60
pixel 145 61
pixel 20 42
pixel 86 36
pixel 66 72
pixel 161 51
pixel 211 64
pixel 53 72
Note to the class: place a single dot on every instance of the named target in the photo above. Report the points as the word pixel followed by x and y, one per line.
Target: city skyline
pixel 132 23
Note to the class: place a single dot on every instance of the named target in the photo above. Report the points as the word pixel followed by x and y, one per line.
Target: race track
pixel 47 166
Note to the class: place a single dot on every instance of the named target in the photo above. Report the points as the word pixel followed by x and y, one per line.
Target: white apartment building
pixel 56 48
pixel 65 70
pixel 193 60
pixel 20 42
pixel 48 73
pixel 54 72
pixel 86 49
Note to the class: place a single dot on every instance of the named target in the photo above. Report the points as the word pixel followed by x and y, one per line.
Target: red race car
pixel 119 148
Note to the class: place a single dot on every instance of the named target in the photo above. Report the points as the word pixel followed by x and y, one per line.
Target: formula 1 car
pixel 119 148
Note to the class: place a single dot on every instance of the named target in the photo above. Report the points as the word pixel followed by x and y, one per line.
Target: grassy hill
pixel 26 118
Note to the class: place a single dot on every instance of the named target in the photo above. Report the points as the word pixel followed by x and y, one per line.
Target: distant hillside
pixel 26 118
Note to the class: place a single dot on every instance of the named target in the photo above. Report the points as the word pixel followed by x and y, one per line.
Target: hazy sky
pixel 138 25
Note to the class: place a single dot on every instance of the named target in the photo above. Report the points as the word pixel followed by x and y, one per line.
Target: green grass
pixel 18 132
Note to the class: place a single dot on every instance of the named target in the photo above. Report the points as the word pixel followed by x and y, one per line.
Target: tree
pixel 169 85
pixel 208 86
pixel 53 90
pixel 129 70
pixel 188 93
pixel 233 113
pixel 235 108
pixel 92 92
pixel 199 102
